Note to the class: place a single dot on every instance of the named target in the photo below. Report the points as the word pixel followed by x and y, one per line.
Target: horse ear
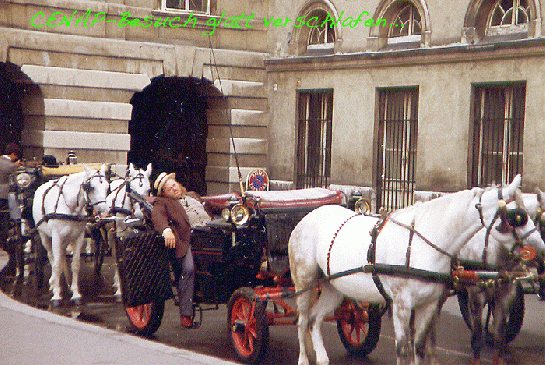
pixel 131 168
pixel 512 188
pixel 103 169
pixel 148 170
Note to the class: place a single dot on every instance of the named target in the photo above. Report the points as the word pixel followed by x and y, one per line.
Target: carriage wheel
pixel 249 331
pixel 145 319
pixel 101 247
pixel 358 328
pixel 515 317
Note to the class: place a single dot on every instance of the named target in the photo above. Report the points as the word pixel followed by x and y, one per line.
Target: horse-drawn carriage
pixel 242 260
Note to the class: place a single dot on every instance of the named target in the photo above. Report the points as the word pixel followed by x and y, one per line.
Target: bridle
pixel 511 219
pixel 87 188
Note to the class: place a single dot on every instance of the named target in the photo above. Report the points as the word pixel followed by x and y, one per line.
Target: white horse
pixel 332 239
pixel 502 295
pixel 60 212
pixel 122 204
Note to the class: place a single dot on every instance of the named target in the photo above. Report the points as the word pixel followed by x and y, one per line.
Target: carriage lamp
pixel 362 206
pixel 23 180
pixel 226 214
pixel 240 214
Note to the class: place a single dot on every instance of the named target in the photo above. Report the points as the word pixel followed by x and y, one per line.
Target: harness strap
pixel 371 257
pixel 333 241
pixel 428 242
pixel 408 255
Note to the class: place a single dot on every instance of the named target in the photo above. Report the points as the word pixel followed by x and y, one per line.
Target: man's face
pixel 173 189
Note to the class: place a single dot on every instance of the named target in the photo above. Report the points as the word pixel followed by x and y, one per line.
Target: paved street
pixel 212 337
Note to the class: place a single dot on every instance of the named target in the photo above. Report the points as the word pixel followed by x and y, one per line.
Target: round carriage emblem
pixel 257 180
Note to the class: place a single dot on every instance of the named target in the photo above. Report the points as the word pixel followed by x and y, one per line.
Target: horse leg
pixel 58 255
pixel 425 318
pixel 475 303
pixel 327 302
pixel 402 312
pixel 303 309
pixel 117 281
pixel 47 244
pixel 501 305
pixel 76 296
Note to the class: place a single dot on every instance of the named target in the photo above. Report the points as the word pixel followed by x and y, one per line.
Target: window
pixel 201 6
pixel 321 33
pixel 396 147
pixel 497 129
pixel 315 109
pixel 508 16
pixel 400 24
pixel 406 23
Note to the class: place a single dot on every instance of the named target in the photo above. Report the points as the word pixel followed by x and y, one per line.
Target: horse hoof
pixel 118 298
pixel 56 303
pixel 77 301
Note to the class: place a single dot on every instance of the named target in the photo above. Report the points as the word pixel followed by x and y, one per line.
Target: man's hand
pixel 170 239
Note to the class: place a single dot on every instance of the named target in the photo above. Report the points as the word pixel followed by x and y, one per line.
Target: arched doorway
pixel 169 128
pixel 11 113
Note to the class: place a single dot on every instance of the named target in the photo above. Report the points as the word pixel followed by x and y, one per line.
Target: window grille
pixel 315 109
pixel 396 145
pixel 497 133
pixel 201 6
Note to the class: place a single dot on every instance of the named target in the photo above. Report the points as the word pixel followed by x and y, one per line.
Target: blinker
pixel 516 217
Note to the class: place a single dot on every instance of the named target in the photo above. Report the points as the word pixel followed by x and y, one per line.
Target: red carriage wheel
pixel 145 319
pixel 248 325
pixel 358 328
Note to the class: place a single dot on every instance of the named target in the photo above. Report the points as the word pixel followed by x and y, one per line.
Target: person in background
pixel 8 164
pixel 175 212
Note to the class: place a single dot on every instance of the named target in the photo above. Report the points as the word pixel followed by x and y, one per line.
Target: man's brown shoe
pixel 186 321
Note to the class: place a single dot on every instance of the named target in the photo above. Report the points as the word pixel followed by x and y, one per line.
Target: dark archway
pixel 11 112
pixel 169 127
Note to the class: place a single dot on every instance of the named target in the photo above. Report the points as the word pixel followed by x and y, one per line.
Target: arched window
pixel 321 35
pixel 406 23
pixel 490 20
pixel 508 16
pixel 321 31
pixel 318 34
pixel 400 24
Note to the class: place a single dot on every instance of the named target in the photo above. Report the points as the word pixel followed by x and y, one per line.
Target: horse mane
pixel 438 204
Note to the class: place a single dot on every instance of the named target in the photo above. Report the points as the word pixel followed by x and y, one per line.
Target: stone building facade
pixel 390 97
pixel 77 64
pixel 425 95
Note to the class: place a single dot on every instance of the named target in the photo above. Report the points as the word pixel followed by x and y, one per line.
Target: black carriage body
pixel 142 260
pixel 226 258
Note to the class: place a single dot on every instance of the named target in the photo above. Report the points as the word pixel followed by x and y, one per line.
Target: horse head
pixel 139 180
pixel 503 213
pixel 96 188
